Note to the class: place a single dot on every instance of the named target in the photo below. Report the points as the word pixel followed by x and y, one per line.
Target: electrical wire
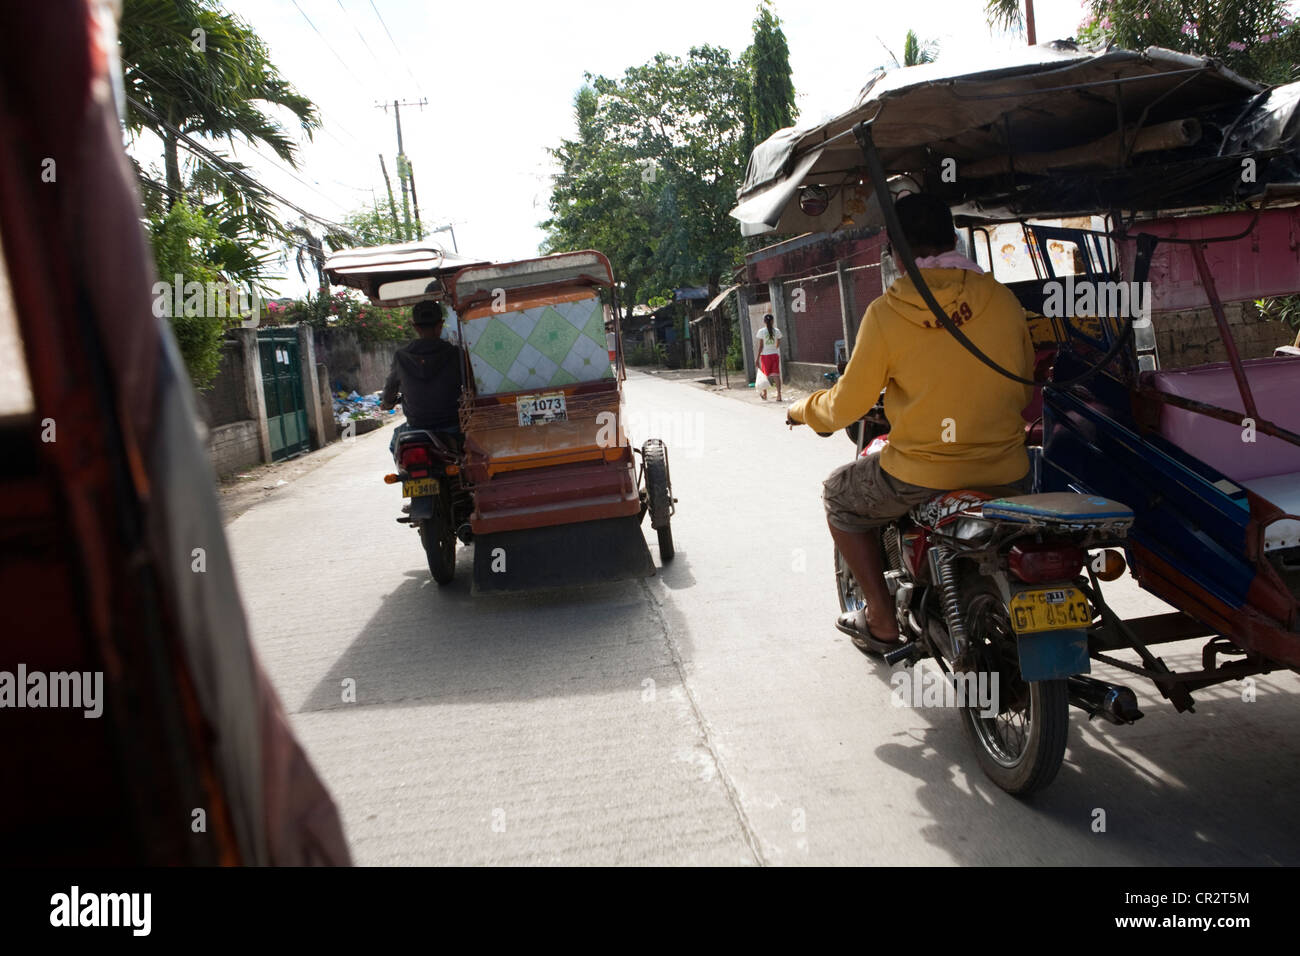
pixel 394 43
pixel 326 42
pixel 361 36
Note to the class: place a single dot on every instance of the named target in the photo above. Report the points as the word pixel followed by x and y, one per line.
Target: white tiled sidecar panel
pixel 542 347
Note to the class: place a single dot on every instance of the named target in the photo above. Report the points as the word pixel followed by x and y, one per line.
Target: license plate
pixel 420 488
pixel 541 409
pixel 1054 609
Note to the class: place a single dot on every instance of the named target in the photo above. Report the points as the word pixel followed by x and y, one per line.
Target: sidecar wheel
pixel 659 495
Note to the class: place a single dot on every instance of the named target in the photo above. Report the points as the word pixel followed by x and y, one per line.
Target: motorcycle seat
pixel 1058 507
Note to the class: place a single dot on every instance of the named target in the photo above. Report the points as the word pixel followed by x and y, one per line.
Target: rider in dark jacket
pixel 426 376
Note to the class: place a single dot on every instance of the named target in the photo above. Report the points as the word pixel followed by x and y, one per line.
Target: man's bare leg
pixel 862 552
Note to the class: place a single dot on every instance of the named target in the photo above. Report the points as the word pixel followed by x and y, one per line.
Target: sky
pixel 500 77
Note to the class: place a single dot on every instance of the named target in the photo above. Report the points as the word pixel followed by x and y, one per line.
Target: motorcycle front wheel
pixel 1021 746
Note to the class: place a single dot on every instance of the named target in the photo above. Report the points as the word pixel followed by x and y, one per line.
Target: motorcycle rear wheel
pixel 1022 746
pixel 439 540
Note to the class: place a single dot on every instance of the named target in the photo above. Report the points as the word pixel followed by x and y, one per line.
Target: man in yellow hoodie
pixel 955 423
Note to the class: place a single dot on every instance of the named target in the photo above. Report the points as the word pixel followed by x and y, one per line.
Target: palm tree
pixel 1007 14
pixel 915 52
pixel 199 71
pixel 308 247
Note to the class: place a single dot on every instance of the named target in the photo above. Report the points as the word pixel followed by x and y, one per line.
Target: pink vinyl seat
pixel 1268 466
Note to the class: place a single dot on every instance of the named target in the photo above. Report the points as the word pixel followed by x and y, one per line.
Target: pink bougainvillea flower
pixel 1236 45
pixel 1265 38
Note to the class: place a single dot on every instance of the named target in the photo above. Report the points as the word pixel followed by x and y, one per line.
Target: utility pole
pixel 415 200
pixel 1031 33
pixel 403 165
pixel 391 205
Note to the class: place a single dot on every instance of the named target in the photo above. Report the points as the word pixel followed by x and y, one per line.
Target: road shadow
pixel 442 645
pixel 1154 792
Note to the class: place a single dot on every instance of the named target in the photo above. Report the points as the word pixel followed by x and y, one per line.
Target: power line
pixel 394 43
pixel 326 42
pixel 362 37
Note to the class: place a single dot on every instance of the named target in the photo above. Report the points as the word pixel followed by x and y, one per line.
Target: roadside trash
pixel 353 407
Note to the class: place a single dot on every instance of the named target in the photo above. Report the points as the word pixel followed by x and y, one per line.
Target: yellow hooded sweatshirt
pixel 955 423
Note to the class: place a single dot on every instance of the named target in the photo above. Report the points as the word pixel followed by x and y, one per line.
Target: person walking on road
pixel 769 354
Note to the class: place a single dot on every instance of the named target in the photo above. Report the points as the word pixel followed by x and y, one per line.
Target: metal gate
pixel 286 409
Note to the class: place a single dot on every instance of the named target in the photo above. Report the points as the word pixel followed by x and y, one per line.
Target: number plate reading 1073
pixel 541 409
pixel 1056 609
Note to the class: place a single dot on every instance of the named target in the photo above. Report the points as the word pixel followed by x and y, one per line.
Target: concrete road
pixel 709 714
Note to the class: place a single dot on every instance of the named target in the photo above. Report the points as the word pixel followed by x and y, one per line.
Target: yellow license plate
pixel 1049 609
pixel 420 488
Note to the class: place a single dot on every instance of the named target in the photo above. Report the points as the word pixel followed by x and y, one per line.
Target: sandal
pixel 862 638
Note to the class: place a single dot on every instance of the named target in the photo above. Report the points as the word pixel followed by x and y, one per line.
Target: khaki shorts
pixel 861 496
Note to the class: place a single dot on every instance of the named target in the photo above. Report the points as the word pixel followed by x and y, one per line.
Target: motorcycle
pixel 429 469
pixel 994 591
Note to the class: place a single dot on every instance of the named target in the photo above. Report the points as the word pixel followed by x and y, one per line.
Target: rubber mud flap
pixel 1053 655
pixel 561 556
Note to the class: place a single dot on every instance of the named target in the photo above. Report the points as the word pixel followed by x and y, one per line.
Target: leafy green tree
pixel 189 244
pixel 603 198
pixel 1256 38
pixel 772 106
pixel 683 122
pixel 367 226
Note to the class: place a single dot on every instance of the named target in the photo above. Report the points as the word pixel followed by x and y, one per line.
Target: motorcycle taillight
pixel 417 455
pixel 1044 562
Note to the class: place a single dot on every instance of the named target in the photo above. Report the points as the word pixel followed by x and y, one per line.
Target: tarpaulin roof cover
pixel 367 267
pixel 1048 99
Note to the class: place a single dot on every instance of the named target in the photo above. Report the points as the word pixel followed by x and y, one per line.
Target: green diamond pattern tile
pixel 554 335
pixel 498 346
pixel 595 327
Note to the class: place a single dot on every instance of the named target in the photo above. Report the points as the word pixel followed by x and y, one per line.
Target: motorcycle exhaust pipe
pixel 1116 703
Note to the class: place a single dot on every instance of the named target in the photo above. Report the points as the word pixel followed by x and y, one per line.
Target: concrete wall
pixel 225 401
pixel 353 366
pixel 234 447
pixel 1192 338
pixel 807 375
